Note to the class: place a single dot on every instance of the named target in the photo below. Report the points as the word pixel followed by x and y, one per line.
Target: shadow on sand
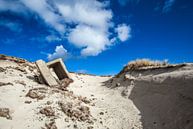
pixel 165 105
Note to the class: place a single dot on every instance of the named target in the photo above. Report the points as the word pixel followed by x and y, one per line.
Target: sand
pixel 162 95
pixel 149 98
pixel 107 107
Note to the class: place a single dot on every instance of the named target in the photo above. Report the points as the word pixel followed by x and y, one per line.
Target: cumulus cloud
pixel 124 32
pixel 60 52
pixel 168 5
pixel 90 39
pixel 89 12
pixel 91 34
pixel 84 23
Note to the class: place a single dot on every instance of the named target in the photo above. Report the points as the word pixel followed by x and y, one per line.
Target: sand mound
pixel 36 105
pixel 162 94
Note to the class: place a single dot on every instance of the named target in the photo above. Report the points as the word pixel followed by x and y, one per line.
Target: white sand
pixel 146 99
pixel 119 112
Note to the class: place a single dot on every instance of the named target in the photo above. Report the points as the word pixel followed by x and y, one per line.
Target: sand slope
pixel 108 109
pixel 164 96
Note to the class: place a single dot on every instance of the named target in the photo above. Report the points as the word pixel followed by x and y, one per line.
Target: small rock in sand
pixel 66 120
pixel 48 111
pixel 49 102
pixel 20 82
pixel 28 102
pixel 51 125
pixel 75 112
pixel 20 69
pixel 4 112
pixel 93 104
pixel 118 84
pixel 37 93
pixel 3 83
pixel 101 113
pixel 90 127
pixel 75 126
pixel 64 83
pixel 84 99
pixel 2 69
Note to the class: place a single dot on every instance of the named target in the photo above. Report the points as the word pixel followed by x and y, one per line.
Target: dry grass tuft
pixel 140 63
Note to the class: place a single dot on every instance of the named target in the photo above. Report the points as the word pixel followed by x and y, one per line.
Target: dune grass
pixel 139 63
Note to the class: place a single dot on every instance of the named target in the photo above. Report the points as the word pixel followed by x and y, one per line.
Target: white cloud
pixel 124 32
pixel 90 12
pixel 90 39
pixel 9 5
pixel 43 9
pixel 53 38
pixel 85 23
pixel 91 34
pixel 60 52
pixel 168 5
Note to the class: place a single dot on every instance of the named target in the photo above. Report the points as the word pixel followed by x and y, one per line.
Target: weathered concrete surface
pixel 59 68
pixel 46 74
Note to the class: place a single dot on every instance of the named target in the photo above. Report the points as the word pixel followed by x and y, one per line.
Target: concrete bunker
pixel 54 72
pixel 59 68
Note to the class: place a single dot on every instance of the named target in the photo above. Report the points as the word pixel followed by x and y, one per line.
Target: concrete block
pixel 59 69
pixel 46 74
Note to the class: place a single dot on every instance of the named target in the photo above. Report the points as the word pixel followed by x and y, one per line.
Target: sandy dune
pixel 162 95
pixel 108 108
pixel 150 98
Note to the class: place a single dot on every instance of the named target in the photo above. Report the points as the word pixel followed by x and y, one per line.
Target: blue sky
pixel 97 37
